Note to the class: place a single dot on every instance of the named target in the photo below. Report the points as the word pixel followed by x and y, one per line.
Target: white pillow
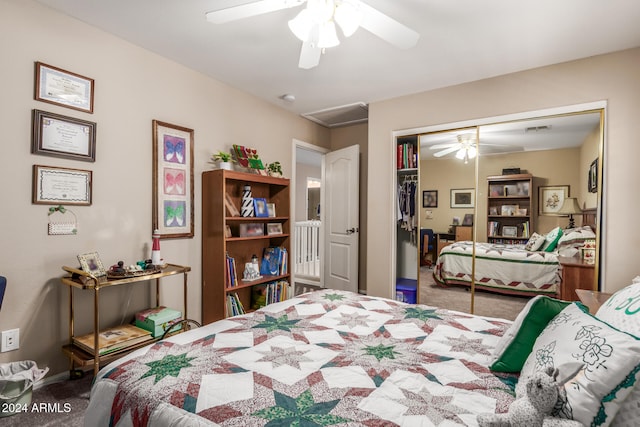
pixel 601 363
pixel 535 242
pixel 551 239
pixel 622 309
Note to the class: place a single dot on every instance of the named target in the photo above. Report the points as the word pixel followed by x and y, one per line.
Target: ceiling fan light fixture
pixel 348 17
pixel 472 152
pixel 461 153
pixel 302 25
pixel 327 36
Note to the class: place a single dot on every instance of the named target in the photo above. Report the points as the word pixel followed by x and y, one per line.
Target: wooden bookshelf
pixel 218 185
pixel 509 208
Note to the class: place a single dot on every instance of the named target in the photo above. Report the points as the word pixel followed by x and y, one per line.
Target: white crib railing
pixel 306 239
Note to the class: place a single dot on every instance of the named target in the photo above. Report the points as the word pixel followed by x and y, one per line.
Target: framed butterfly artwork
pixel 172 180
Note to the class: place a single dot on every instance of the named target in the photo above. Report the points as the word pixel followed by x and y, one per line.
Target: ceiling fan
pixel 465 147
pixel 315 25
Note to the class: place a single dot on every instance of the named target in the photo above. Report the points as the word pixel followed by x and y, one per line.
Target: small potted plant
pixel 224 159
pixel 275 169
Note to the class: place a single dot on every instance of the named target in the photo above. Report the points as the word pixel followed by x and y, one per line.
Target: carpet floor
pixel 58 404
pixel 458 298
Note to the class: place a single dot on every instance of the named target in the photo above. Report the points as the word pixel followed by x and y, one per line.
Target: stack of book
pixel 234 305
pixel 232 273
pixel 113 339
pixel 268 293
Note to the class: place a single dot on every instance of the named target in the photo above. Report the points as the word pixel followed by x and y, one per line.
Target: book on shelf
pixel 274 261
pixel 113 339
pixel 234 305
pixel 231 272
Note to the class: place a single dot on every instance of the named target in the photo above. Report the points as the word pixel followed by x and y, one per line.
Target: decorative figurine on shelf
pixel 117 268
pixel 247 202
pixel 155 248
pixel 252 269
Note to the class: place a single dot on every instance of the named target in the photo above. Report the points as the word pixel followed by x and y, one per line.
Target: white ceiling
pixel 460 41
pixel 536 134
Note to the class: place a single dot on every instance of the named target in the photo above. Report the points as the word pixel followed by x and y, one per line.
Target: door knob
pixel 352 230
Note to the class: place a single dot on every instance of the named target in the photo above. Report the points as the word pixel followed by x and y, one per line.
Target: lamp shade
pixel 570 207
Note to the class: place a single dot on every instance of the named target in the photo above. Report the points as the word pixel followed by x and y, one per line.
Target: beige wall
pixel 133 87
pixel 613 78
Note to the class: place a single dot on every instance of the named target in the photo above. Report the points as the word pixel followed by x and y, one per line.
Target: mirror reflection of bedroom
pixel 533 213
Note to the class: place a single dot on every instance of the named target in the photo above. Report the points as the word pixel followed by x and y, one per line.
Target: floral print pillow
pixel 599 364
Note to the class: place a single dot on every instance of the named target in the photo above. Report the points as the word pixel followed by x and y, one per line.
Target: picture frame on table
pixel 61 136
pixel 55 186
pixel 274 228
pixel 462 198
pixel 430 199
pixel 61 87
pixel 468 219
pixel 91 263
pixel 260 209
pixel 551 198
pixel 172 213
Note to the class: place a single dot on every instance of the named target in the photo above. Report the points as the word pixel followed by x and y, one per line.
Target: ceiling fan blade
pixel 247 10
pixel 446 151
pixel 447 145
pixel 387 28
pixel 309 55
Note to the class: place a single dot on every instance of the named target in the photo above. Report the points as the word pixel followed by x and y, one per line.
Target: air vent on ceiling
pixel 340 116
pixel 537 128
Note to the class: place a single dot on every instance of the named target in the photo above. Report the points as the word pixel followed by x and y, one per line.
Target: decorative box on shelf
pixel 156 320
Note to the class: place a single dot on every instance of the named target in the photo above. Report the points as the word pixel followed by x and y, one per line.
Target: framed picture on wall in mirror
pixel 462 198
pixel 430 199
pixel 551 198
pixel 592 183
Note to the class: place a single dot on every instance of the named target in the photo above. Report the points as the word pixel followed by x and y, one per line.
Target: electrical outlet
pixel 10 340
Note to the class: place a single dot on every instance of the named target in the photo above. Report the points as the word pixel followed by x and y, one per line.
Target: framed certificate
pixel 62 136
pixel 61 87
pixel 54 186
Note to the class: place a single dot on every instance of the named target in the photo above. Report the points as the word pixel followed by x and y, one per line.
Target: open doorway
pixel 307 233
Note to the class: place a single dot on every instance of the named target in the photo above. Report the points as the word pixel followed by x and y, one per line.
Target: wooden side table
pixel 576 274
pixel 592 299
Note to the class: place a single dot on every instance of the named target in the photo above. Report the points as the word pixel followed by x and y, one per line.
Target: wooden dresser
pixel 575 275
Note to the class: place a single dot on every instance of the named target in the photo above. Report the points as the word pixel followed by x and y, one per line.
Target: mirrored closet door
pixel 517 184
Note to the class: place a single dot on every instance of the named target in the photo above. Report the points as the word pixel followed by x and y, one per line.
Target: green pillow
pixel 515 345
pixel 551 239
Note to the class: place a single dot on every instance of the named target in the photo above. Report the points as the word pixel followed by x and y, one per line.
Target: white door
pixel 340 214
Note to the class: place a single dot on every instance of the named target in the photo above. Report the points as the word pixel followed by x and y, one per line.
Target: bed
pixel 529 269
pixel 506 269
pixel 337 358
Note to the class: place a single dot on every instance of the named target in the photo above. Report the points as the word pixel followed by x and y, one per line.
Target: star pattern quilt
pixel 326 358
pixel 508 269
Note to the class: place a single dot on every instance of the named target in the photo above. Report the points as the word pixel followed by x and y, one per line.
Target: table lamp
pixel 570 207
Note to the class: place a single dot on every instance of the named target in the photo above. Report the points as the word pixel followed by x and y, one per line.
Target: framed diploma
pixel 172 212
pixel 61 87
pixel 62 136
pixel 55 186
